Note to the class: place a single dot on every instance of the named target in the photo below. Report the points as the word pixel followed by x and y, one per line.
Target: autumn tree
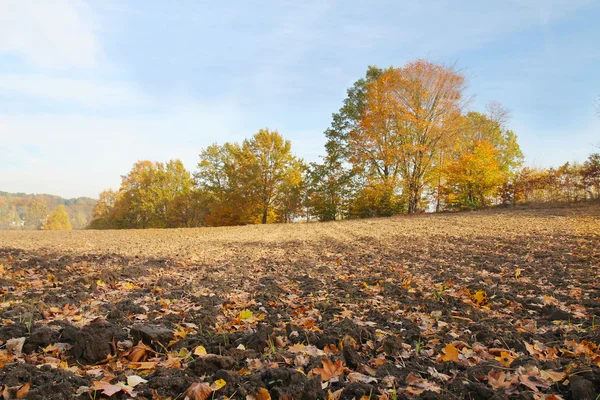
pixel 478 167
pixel 219 179
pixel 590 174
pixel 36 213
pixel 473 176
pixel 145 196
pixel 58 220
pixel 266 164
pixel 104 212
pixel 147 190
pixel 258 181
pixel 395 122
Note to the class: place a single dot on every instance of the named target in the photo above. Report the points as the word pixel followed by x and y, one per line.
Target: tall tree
pixel 145 196
pixel 330 186
pixel 36 213
pixel 395 122
pixel 266 164
pixel 427 102
pixel 258 181
pixel 58 220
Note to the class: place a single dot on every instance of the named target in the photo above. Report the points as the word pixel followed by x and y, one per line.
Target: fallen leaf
pixel 358 377
pixel 245 314
pixel 23 391
pixel 450 353
pixel 134 380
pixel 330 370
pixel 198 391
pixel 480 298
pixel 263 394
pixel 505 359
pixel 200 351
pixel 15 345
pixel 106 388
pixel 218 384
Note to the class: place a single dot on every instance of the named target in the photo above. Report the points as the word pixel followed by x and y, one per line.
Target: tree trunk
pixel 264 216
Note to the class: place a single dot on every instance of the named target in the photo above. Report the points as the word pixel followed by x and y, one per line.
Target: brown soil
pixel 385 301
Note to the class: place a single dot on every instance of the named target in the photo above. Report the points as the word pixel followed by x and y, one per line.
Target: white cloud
pixel 56 34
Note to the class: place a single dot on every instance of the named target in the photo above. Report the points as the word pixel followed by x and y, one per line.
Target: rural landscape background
pixel 299 200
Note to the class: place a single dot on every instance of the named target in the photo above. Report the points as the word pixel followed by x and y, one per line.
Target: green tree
pixel 330 186
pixel 58 220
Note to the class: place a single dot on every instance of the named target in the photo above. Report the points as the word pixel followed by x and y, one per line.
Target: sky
pixel 87 88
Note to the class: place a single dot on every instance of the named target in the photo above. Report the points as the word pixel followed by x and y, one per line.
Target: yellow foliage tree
pixel 473 176
pixel 58 220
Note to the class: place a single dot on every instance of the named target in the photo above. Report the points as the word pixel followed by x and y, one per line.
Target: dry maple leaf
pixel 532 379
pixel 554 376
pixel 334 395
pixel 198 391
pixel 505 359
pixel 15 345
pixel 497 379
pixel 480 298
pixel 106 388
pixel 417 385
pixel 450 353
pixel 330 370
pixel 138 352
pixel 358 377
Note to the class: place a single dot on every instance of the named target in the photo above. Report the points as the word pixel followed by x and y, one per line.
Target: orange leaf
pixel 263 394
pixel 138 352
pixel 505 359
pixel 23 390
pixel 450 353
pixel 329 370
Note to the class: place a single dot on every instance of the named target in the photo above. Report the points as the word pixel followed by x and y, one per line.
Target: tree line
pixel 21 211
pixel 403 141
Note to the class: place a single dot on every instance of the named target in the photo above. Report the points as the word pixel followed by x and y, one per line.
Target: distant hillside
pixel 23 211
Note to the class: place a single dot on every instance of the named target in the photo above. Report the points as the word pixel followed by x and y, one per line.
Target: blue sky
pixel 89 87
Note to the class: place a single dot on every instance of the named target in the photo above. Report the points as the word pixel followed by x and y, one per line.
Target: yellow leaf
pixel 480 298
pixel 218 384
pixel 100 283
pixel 200 351
pixel 245 314
pixel 518 272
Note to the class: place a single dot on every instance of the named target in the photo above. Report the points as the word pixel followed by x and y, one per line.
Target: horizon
pixel 99 85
